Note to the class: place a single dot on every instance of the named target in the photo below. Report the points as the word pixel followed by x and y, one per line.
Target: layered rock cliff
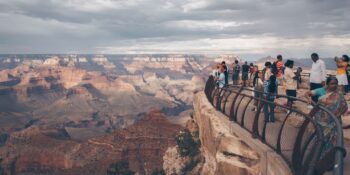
pixel 229 149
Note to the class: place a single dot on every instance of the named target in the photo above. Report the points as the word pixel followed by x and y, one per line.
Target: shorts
pixel 342 79
pixel 235 76
pixel 244 76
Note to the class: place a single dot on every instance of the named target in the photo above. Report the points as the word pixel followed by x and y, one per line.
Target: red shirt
pixel 279 65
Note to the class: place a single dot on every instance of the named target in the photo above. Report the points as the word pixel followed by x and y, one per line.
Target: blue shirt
pixel 221 80
pixel 319 92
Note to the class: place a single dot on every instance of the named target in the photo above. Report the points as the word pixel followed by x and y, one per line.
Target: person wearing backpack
pixel 235 73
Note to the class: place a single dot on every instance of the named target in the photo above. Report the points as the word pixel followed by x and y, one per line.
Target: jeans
pixel 291 93
pixel 315 86
pixel 269 110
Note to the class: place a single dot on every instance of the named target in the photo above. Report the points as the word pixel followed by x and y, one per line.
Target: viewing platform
pixel 293 144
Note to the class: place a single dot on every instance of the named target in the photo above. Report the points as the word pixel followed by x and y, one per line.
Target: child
pixel 298 76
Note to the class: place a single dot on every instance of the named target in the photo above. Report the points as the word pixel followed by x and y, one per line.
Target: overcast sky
pixel 248 28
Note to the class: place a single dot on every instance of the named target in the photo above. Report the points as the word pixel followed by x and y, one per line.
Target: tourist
pixel 216 71
pixel 245 72
pixel 347 87
pixel 341 72
pixel 278 69
pixel 235 74
pixel 267 71
pixel 330 97
pixel 270 92
pixel 258 85
pixel 225 72
pixel 251 72
pixel 221 80
pixel 335 102
pixel 298 75
pixel 317 74
pixel 290 82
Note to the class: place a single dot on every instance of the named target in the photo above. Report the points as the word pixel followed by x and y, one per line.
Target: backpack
pixel 274 69
pixel 238 68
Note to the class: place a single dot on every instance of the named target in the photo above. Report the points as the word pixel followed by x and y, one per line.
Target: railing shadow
pixel 295 135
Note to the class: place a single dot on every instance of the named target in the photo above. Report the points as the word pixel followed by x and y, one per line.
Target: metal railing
pixel 295 135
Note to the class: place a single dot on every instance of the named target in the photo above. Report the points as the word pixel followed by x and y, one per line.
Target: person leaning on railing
pixel 335 102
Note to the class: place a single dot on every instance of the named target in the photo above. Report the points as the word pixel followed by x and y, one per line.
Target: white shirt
pixel 215 73
pixel 291 84
pixel 318 72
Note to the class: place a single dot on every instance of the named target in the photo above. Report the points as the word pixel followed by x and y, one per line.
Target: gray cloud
pixel 63 26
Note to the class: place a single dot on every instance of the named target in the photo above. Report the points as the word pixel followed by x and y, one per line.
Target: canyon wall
pixel 229 149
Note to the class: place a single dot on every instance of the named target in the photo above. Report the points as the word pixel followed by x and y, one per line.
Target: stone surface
pixel 227 148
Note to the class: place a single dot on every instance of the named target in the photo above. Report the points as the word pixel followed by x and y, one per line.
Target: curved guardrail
pixel 295 135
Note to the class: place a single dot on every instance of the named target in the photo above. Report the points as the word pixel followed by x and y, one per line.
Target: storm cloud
pixel 254 28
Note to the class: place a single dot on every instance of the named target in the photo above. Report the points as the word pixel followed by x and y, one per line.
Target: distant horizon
pixel 148 54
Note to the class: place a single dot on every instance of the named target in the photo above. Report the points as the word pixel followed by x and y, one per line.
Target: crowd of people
pixel 324 89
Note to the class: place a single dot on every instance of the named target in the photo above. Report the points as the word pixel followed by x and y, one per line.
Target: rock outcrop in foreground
pixel 229 149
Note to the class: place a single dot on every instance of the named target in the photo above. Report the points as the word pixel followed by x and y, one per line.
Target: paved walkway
pixel 289 132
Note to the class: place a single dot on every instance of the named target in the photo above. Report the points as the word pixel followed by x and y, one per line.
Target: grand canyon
pixel 79 114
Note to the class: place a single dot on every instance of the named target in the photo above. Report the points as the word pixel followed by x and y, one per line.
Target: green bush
pixel 187 146
pixel 120 168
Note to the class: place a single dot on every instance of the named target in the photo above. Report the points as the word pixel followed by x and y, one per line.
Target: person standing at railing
pixel 216 71
pixel 267 71
pixel 335 102
pixel 258 85
pixel 317 74
pixel 290 80
pixel 278 68
pixel 221 79
pixel 298 75
pixel 225 72
pixel 235 73
pixel 347 87
pixel 341 72
pixel 270 92
pixel 245 73
pixel 251 72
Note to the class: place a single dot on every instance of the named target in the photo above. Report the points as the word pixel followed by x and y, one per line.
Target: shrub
pixel 120 168
pixel 158 172
pixel 187 146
